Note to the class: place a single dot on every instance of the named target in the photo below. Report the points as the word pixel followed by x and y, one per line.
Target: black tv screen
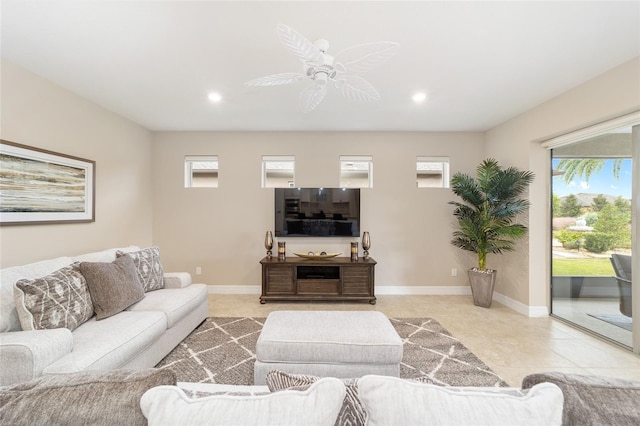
pixel 317 212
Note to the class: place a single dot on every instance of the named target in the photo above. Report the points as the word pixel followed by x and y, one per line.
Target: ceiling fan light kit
pixel 322 68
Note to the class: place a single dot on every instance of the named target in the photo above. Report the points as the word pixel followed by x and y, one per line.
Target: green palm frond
pixel 585 167
pixel 490 204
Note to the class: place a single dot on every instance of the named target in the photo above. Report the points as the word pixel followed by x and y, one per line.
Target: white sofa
pixel 136 338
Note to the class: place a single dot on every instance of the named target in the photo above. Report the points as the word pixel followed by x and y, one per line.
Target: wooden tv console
pixel 334 279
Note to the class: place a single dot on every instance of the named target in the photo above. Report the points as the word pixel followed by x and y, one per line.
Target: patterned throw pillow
pixel 58 300
pixel 352 412
pixel 149 267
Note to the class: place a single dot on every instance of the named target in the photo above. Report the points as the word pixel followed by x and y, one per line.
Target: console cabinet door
pixel 356 280
pixel 280 279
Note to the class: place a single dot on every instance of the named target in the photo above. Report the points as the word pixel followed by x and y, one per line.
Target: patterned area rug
pixel 222 350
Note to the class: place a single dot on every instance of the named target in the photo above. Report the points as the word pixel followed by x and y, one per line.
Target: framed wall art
pixel 42 187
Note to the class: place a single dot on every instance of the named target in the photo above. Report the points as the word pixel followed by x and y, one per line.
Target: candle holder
pixel 366 244
pixel 282 250
pixel 354 251
pixel 268 243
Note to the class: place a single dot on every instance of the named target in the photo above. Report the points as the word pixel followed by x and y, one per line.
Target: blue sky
pixel 600 183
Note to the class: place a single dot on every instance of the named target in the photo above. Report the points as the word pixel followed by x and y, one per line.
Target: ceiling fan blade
pixel 364 57
pixel 276 79
pixel 299 46
pixel 311 97
pixel 357 89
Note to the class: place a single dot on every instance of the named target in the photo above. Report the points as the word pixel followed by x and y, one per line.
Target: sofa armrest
pixel 176 279
pixel 24 354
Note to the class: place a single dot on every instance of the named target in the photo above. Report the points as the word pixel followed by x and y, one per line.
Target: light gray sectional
pixel 138 337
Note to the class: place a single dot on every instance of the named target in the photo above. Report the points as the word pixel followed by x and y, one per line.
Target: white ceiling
pixel 155 62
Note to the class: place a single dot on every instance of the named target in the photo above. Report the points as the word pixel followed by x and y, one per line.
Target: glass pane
pixel 591 236
pixel 201 171
pixel 432 172
pixel 278 172
pixel 356 172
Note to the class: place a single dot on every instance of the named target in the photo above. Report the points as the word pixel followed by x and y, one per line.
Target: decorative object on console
pixel 60 187
pixel 491 202
pixel 354 251
pixel 268 243
pixel 282 250
pixel 366 244
pixel 322 68
pixel 322 255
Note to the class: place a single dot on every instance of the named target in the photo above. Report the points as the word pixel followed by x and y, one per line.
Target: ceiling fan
pixel 322 68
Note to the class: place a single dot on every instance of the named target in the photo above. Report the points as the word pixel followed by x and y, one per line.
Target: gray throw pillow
pixel 592 400
pixel 149 267
pixel 86 398
pixel 352 412
pixel 58 300
pixel 113 286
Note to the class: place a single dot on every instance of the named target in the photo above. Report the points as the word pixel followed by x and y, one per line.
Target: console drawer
pixel 319 286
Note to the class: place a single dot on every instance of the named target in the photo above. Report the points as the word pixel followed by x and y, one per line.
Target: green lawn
pixel 583 267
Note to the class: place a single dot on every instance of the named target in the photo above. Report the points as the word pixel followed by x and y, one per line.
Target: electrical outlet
pixel 198 270
pixel 454 272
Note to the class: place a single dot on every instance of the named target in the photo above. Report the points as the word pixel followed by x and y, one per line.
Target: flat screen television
pixel 317 212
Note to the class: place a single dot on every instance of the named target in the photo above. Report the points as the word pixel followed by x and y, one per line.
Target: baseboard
pixel 530 311
pixel 234 289
pixel 422 289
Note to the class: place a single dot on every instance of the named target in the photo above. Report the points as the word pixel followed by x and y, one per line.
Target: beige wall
pixel 37 113
pixel 222 229
pixel 141 199
pixel 525 274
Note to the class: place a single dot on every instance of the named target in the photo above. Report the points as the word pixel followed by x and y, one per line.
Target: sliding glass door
pixel 592 189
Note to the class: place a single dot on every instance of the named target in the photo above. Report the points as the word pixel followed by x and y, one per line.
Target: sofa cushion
pixel 87 398
pixel 590 400
pixel 175 303
pixel 149 267
pixel 351 413
pixel 318 405
pixel 111 343
pixel 108 255
pixel 389 400
pixel 113 286
pixel 9 320
pixel 58 300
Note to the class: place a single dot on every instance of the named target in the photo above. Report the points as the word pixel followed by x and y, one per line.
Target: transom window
pixel 201 171
pixel 432 172
pixel 278 171
pixel 356 171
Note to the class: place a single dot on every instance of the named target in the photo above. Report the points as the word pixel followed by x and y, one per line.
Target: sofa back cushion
pixel 9 320
pixel 394 401
pixel 58 300
pixel 319 404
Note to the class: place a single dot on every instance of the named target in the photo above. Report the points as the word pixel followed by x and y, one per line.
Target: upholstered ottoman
pixel 340 344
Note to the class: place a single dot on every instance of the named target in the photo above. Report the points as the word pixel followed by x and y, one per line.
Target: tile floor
pixel 511 344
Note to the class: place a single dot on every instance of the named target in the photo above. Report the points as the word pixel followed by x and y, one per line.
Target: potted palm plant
pixel 485 219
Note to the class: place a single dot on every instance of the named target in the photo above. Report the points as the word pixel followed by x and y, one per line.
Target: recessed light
pixel 215 97
pixel 419 97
